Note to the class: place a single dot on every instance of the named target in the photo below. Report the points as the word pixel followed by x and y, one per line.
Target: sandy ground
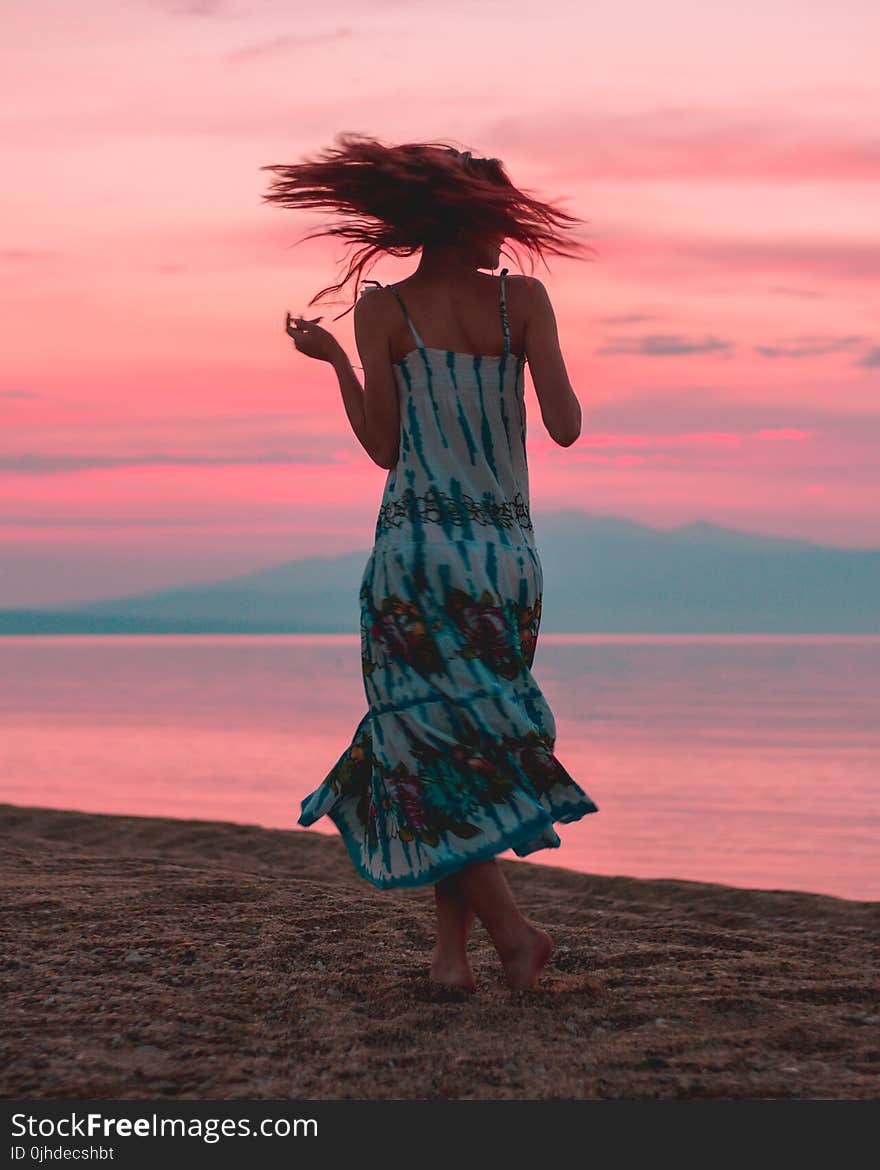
pixel 155 958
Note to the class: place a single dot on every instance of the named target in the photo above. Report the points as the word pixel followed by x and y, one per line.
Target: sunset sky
pixel 157 427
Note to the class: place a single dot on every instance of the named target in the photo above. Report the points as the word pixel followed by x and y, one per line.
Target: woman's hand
pixel 310 339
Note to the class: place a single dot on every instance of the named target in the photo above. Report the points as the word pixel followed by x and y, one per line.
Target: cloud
pixel 25 255
pixel 835 260
pixel 628 319
pixel 284 43
pixel 42 464
pixel 675 410
pixel 807 347
pixel 677 141
pixel 871 359
pixel 805 293
pixel 666 344
pixel 209 9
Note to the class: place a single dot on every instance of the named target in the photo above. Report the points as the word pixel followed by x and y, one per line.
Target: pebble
pixel 656 1062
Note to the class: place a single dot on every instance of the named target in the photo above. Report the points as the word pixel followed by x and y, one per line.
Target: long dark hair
pixel 397 199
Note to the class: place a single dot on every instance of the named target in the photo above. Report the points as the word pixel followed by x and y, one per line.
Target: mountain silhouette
pixel 602 574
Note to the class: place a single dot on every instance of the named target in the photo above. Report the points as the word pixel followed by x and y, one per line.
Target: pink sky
pixel 158 427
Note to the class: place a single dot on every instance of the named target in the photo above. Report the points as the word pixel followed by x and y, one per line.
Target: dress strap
pixel 415 332
pixel 505 324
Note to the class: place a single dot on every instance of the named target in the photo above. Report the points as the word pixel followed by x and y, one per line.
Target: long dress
pixel 454 760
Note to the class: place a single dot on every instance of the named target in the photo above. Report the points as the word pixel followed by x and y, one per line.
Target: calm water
pixel 748 761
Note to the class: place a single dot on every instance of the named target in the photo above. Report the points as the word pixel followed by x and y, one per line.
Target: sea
pixel 751 761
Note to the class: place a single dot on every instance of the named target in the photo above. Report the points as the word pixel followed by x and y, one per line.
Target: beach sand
pixel 146 957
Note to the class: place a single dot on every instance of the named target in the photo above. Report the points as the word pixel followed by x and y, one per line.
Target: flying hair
pixel 399 199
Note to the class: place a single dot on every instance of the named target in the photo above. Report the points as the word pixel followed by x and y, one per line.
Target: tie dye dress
pixel 453 761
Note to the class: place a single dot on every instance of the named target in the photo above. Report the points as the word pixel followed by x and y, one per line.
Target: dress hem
pixel 525 833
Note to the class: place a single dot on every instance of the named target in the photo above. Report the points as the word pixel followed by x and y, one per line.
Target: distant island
pixel 601 575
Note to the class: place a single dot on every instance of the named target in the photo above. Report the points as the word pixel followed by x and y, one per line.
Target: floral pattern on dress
pixel 486 627
pixel 529 621
pixel 399 630
pixel 437 797
pixel 502 635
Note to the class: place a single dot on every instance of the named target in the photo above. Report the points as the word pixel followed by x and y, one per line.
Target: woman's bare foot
pixel 524 963
pixel 452 972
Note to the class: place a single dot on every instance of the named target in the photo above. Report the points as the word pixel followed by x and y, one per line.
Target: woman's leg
pixel 454 920
pixel 522 948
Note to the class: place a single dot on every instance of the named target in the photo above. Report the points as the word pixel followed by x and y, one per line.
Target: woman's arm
pixel 560 408
pixel 366 415
pixel 373 410
pixel 353 399
pixel 377 411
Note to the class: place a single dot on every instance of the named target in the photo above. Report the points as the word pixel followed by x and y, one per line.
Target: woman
pixel 453 762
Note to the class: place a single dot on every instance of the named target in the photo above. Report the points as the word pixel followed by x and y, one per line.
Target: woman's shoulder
pixel 520 280
pixel 526 290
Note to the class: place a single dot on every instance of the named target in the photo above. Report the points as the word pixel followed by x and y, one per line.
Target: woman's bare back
pixel 461 314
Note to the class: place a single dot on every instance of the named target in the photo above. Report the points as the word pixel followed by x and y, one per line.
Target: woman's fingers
pixel 301 329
